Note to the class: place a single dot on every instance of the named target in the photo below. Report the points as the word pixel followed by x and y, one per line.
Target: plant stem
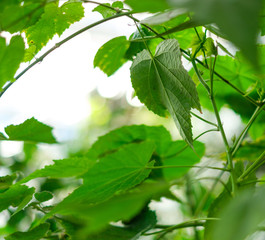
pixel 187 166
pixel 220 125
pixel 57 45
pixel 204 120
pixel 260 161
pixel 190 223
pixel 239 140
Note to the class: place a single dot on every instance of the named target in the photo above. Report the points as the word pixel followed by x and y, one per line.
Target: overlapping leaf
pixel 33 234
pixel 10 58
pixel 31 130
pixel 54 20
pixel 71 167
pixel 108 12
pixel 111 56
pixel 162 84
pixel 118 171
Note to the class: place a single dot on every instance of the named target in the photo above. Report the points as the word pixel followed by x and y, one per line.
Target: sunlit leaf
pixel 111 56
pixel 31 130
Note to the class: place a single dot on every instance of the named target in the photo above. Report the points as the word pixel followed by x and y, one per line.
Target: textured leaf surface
pixel 54 20
pixel 10 58
pixel 107 12
pixel 162 84
pixel 34 234
pixel 71 167
pixel 30 130
pixel 118 171
pixel 14 196
pixel 110 56
pixel 136 133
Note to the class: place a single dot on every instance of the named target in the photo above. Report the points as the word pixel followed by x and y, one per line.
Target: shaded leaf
pixel 162 84
pixel 115 139
pixel 34 234
pixel 7 181
pixel 10 58
pixel 14 196
pixel 43 196
pixel 110 56
pixel 31 130
pixel 178 155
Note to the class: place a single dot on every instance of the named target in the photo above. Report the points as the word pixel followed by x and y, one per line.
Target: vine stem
pixel 239 140
pixel 57 45
pixel 187 166
pixel 219 122
pixel 260 161
pixel 204 120
pixel 190 223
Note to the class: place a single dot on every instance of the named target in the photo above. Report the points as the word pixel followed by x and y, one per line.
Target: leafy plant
pixel 129 167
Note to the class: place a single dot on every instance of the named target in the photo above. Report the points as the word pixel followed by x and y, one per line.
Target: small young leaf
pixel 107 12
pixel 110 56
pixel 161 83
pixel 36 233
pixel 10 58
pixel 43 196
pixel 31 130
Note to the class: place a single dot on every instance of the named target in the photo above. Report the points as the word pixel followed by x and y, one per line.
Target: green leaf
pixel 54 20
pixel 3 137
pixel 107 12
pixel 110 56
pixel 15 17
pixel 31 130
pixel 43 196
pixel 98 216
pixel 118 171
pixel 36 233
pixel 242 216
pixel 177 154
pixel 10 58
pixel 14 196
pixel 148 5
pixel 7 181
pixel 72 167
pixel 117 138
pixel 161 83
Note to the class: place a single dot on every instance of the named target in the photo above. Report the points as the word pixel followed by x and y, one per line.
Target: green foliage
pixel 10 58
pixel 33 234
pixel 54 20
pixel 108 12
pixel 119 177
pixel 31 130
pixel 161 83
pixel 110 56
